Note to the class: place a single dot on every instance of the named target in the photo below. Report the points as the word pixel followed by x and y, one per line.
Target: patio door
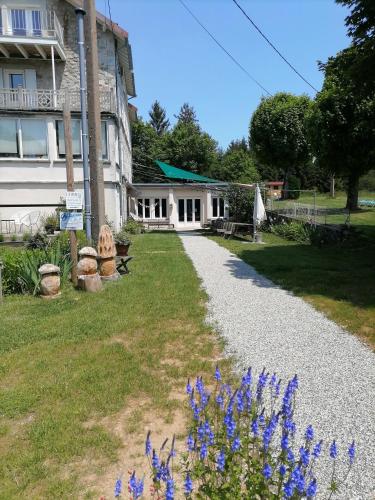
pixel 189 211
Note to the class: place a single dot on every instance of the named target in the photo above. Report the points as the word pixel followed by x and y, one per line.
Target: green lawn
pixel 71 364
pixel 339 281
pixel 333 209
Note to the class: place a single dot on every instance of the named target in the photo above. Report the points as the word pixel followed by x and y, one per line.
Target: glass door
pixel 189 211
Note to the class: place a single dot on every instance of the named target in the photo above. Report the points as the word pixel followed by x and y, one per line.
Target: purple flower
pixel 188 485
pixel 309 434
pixel 311 489
pixel 298 479
pixel 351 453
pixel 246 379
pixel 284 441
pixel 220 461
pixel 190 442
pixel 220 401
pixel 118 488
pixel 255 427
pixel 317 449
pixel 240 402
pixel 333 450
pixel 148 447
pixel 262 381
pixel 203 452
pixel 229 423
pixel 282 470
pixel 267 471
pixel 201 432
pixel 290 456
pixel 136 487
pixel 305 456
pixel 217 374
pixel 189 389
pixel 289 489
pixel 155 460
pixel 169 492
pixel 236 445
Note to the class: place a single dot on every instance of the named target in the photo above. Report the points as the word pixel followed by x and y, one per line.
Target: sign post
pixel 70 187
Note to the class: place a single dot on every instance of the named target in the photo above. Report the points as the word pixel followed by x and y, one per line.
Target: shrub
pixel 62 239
pixel 133 227
pixel 1 237
pixel 295 231
pixel 51 222
pixel 38 241
pixel 241 204
pixel 13 237
pixel 21 268
pixel 242 444
pixel 26 236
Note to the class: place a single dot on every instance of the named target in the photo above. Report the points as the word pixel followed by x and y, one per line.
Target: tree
pixel 341 123
pixel 147 146
pixel 188 147
pixel 186 114
pixel 278 135
pixel 236 165
pixel 158 118
pixel 240 203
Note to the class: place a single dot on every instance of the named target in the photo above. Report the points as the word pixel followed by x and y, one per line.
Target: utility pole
pixel 70 181
pixel 85 154
pixel 93 102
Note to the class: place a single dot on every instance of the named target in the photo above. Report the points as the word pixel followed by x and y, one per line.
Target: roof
pixel 178 173
pixel 274 183
pixel 124 47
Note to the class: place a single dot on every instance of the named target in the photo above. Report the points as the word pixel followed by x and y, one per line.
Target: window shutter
pixel 1 79
pixel 30 79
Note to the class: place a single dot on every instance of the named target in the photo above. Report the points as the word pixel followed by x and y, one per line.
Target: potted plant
pixel 123 243
pixel 50 223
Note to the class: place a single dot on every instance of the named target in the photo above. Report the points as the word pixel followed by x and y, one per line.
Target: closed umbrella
pixel 259 213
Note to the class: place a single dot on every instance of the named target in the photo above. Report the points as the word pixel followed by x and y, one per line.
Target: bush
pixel 295 231
pixel 21 268
pixel 133 227
pixel 26 236
pixel 51 222
pixel 242 444
pixel 241 204
pixel 62 239
pixel 38 241
pixel 1 237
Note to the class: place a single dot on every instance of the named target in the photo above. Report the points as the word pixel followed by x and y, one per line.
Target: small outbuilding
pixel 185 200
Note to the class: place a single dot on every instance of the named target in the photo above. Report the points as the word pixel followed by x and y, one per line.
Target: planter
pixel 122 249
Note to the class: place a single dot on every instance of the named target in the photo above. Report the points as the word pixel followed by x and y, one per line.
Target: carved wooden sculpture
pixel 107 254
pixel 49 281
pixel 87 268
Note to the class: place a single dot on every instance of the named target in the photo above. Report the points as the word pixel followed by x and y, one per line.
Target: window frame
pixel 20 155
pixel 220 207
pixel 79 157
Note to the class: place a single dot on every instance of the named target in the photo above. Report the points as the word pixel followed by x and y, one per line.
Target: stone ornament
pixel 49 281
pixel 107 254
pixel 87 270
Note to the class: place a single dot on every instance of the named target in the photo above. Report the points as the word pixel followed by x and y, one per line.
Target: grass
pixel 339 281
pixel 68 364
pixel 334 208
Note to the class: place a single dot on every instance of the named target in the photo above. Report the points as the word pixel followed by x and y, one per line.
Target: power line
pixel 223 48
pixel 273 46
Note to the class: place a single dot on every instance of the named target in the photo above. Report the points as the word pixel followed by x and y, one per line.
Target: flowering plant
pixel 242 444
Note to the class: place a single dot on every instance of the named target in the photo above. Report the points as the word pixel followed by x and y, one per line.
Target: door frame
pixel 185 222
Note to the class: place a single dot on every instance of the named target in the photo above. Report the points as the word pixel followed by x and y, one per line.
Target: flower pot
pixel 49 228
pixel 122 249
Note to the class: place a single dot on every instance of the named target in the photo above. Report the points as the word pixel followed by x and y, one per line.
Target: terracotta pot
pixel 122 249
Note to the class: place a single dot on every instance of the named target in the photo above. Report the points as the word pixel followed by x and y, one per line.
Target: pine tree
pixel 158 118
pixel 186 114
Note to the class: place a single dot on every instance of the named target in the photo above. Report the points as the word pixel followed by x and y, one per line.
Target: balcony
pixel 30 33
pixel 49 100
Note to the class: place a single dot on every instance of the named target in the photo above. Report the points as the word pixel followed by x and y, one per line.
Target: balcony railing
pixel 30 23
pixel 49 100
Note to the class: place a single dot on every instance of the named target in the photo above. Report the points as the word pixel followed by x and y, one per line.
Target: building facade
pixel 39 70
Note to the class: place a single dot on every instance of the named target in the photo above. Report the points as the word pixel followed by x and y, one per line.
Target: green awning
pixel 178 173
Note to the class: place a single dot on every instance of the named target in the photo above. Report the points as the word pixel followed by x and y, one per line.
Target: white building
pixel 39 66
pixel 187 201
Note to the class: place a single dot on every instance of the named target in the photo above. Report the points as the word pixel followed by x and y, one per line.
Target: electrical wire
pixel 272 45
pixel 222 47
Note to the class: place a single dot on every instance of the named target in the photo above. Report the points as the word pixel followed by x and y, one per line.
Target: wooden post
pixel 70 181
pixel 93 106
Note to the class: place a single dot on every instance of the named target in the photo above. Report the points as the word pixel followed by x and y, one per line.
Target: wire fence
pixel 315 208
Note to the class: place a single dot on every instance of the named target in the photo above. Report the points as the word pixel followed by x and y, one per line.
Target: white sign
pixel 74 200
pixel 72 221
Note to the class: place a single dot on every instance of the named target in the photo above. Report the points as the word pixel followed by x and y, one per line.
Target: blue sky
pixel 175 61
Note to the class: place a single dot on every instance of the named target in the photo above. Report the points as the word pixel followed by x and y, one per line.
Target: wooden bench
pixel 157 223
pixel 122 264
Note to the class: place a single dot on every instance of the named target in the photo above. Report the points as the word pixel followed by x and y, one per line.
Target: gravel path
pixel 265 326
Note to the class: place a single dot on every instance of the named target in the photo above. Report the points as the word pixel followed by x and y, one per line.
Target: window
pixel 197 205
pixel 181 210
pixel 18 22
pixel 160 208
pixel 218 207
pixel 8 138
pixel 23 138
pixel 147 208
pixel 16 80
pixel 164 207
pixel 140 207
pixel 77 140
pixel 157 208
pixel 36 22
pixel 34 138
